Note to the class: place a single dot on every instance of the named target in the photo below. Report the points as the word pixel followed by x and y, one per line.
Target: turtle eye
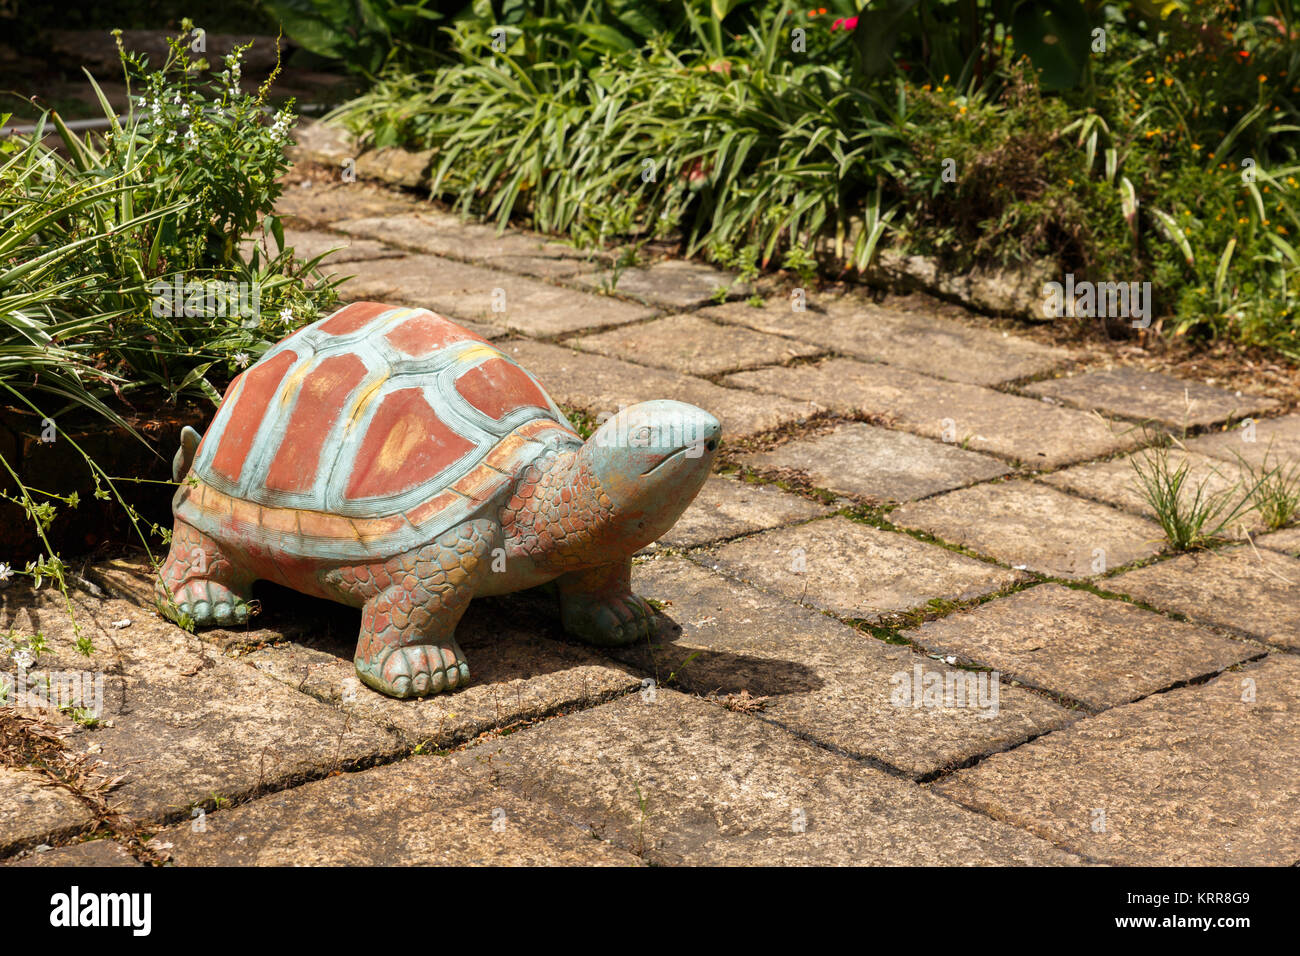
pixel 640 438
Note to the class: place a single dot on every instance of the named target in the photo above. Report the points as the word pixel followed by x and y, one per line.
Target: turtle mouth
pixel 708 446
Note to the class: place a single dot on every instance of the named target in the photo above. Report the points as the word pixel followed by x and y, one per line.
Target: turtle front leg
pixel 407 647
pixel 597 605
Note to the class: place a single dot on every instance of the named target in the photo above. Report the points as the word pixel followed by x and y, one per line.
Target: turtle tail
pixel 185 454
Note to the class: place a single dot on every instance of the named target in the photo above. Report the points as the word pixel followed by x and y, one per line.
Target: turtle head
pixel 651 459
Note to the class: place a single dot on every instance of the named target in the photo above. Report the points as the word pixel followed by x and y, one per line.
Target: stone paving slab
pixel 1041 529
pixel 1197 776
pixel 1247 590
pixel 672 283
pixel 727 507
pixel 395 166
pixel 1275 439
pixel 856 571
pixel 979 419
pixel 321 143
pixel 905 331
pixel 94 853
pixel 683 781
pixel 517 673
pixel 598 384
pixel 694 346
pixel 184 723
pixel 1150 396
pixel 825 681
pixel 423 811
pixel 1287 541
pixel 33 810
pixel 321 204
pixel 461 291
pixel 879 463
pixel 1099 652
pixel 1116 483
pixel 445 234
pixel 309 243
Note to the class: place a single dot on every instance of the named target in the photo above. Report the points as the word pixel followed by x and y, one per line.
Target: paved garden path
pixel 912 504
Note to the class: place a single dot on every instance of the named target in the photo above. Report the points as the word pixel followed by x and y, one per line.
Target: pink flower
pixel 848 23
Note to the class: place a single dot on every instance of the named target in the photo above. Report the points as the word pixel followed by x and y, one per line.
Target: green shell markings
pixel 389 459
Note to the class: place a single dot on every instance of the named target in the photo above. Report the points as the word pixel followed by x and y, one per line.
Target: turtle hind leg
pixel 200 581
pixel 407 646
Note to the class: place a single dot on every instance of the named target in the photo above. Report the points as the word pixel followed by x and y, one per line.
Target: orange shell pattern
pixel 367 433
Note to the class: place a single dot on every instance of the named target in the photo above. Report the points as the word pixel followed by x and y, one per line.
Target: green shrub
pixel 85 241
pixel 1133 172
pixel 757 149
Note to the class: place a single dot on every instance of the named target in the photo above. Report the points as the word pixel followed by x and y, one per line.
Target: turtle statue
pixel 389 459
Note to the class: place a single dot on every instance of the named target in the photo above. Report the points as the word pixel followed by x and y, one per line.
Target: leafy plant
pixel 365 34
pixel 966 38
pixel 86 242
pixel 715 125
pixel 754 149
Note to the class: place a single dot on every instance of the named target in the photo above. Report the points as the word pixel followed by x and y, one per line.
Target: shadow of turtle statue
pixel 388 459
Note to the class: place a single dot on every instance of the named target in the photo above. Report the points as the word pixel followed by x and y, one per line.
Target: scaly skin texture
pixel 560 517
pixel 201 580
pixel 411 605
pixel 557 513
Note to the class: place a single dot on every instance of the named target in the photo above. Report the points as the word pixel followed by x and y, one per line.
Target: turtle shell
pixel 366 434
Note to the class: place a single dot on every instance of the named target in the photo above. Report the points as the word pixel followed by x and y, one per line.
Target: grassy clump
pixel 1190 513
pixel 1276 490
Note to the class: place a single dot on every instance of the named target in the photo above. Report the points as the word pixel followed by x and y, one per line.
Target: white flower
pixel 24 658
pixel 241 359
pixel 191 140
pixel 185 111
pixel 6 572
pixel 281 125
pixel 286 314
